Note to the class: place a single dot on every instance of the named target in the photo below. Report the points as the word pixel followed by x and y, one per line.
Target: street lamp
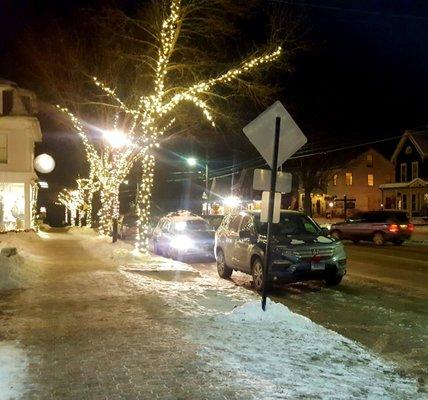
pixel 192 161
pixel 115 138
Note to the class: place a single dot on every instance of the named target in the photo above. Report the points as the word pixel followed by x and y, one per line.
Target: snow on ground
pixel 21 269
pixel 277 353
pixel 13 363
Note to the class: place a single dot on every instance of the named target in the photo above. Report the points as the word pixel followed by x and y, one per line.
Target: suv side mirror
pixel 325 231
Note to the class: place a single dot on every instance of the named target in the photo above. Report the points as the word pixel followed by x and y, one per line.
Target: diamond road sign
pixel 261 133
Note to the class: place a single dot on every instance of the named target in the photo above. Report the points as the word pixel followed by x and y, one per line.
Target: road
pixel 381 303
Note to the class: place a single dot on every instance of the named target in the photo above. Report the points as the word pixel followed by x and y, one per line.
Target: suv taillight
pixel 410 227
pixel 393 228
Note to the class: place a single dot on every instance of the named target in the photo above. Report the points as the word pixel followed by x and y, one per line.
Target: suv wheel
pixel 223 270
pixel 333 280
pixel 336 234
pixel 257 271
pixel 378 239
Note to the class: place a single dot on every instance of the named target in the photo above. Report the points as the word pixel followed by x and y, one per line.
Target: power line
pixel 349 10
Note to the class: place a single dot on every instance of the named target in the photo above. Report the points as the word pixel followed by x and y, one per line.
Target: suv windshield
pixel 289 224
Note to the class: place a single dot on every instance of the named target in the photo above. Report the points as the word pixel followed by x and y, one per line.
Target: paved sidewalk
pixel 87 333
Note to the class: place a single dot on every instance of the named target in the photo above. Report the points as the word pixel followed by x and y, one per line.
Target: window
pixel 7 97
pixel 234 223
pixel 289 224
pixel 3 148
pixel 370 179
pixel 26 101
pixel 335 180
pixel 404 201
pixel 415 169
pixel 403 172
pixel 348 178
pixel 247 224
pixel 369 160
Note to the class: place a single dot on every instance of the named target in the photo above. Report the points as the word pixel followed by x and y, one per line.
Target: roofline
pixel 407 134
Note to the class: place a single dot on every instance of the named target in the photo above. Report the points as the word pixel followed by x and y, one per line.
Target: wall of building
pixel 413 156
pixel 367 197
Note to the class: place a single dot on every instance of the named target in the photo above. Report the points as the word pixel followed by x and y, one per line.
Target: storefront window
pixel 12 206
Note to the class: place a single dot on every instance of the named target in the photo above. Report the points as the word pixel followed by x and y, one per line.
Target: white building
pixel 19 130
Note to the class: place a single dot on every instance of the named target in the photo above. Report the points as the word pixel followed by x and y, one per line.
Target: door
pixel 230 241
pixel 243 246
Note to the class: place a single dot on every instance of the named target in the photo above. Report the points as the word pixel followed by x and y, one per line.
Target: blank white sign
pixel 265 207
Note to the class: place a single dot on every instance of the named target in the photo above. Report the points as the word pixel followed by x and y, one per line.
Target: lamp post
pixel 192 161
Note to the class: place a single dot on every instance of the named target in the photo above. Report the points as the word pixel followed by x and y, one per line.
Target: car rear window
pixel 385 216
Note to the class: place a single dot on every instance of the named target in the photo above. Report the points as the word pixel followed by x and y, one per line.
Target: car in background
pixel 214 220
pixel 128 227
pixel 183 234
pixel 377 226
pixel 301 249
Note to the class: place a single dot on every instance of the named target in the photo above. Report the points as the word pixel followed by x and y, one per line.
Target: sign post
pixel 270 210
pixel 277 137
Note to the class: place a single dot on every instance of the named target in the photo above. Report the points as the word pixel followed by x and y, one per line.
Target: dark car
pixel 301 250
pixel 128 227
pixel 378 226
pixel 182 234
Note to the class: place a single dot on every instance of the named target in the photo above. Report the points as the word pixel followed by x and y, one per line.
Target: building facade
pixel 409 191
pixel 19 130
pixel 358 180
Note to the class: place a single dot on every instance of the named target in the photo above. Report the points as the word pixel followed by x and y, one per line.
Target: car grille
pixel 322 252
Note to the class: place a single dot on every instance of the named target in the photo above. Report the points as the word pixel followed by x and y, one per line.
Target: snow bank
pixel 13 363
pixel 285 355
pixel 22 269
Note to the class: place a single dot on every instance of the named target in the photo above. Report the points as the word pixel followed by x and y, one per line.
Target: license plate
pixel 317 266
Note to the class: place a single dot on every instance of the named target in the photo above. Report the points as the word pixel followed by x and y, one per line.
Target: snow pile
pixel 285 355
pixel 21 269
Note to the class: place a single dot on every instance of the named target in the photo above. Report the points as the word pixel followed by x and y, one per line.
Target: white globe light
pixel 44 163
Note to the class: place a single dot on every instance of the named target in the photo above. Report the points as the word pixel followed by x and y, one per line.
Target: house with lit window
pixel 409 191
pixel 19 130
pixel 359 181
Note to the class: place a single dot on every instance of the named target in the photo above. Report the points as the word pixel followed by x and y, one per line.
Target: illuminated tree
pixel 153 114
pixel 147 71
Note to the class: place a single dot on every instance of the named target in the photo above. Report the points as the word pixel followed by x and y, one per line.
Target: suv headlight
pixel 182 242
pixel 339 252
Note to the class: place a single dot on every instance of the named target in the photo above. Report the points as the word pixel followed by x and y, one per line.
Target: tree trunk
pixel 143 203
pixel 109 209
pixel 307 204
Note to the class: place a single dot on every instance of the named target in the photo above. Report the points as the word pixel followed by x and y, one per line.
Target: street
pixel 381 303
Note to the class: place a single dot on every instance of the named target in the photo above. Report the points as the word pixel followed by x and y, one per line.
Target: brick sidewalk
pixel 88 334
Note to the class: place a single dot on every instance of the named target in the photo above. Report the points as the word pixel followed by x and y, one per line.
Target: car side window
pixel 247 224
pixel 234 223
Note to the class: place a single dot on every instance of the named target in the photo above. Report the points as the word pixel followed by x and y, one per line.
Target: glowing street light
pixel 116 138
pixel 192 161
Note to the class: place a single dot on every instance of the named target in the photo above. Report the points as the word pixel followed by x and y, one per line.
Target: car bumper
pixel 304 271
pixel 398 236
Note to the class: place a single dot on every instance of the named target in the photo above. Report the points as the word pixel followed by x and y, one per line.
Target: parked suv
pixel 379 226
pixel 301 250
pixel 183 234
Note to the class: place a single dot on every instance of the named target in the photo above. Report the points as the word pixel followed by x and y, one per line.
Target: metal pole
pixel 345 206
pixel 270 210
pixel 206 187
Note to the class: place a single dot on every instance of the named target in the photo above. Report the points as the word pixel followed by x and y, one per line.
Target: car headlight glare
pixel 339 252
pixel 181 243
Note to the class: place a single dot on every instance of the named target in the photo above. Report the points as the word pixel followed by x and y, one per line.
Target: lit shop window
pixel 12 206
pixel 3 149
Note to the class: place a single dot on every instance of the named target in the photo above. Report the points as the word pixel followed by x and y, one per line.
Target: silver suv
pixel 301 250
pixel 379 226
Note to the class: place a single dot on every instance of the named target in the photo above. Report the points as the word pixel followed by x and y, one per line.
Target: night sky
pixel 364 77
